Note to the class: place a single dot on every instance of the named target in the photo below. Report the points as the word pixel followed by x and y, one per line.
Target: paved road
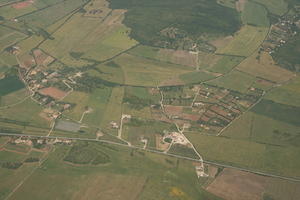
pixel 159 152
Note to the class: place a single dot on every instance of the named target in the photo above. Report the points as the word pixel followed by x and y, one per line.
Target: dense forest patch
pixel 177 23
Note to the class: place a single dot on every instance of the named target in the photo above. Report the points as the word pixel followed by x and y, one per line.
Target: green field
pixel 235 80
pixel 137 174
pixel 246 41
pixel 277 7
pixel 278 111
pixel 226 64
pixel 249 154
pixel 263 129
pixel 145 72
pixel 27 112
pixel 260 18
pixel 95 102
pixel 10 84
pixel 286 94
pixel 45 17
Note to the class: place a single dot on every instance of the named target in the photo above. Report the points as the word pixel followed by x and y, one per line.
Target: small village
pixel 286 28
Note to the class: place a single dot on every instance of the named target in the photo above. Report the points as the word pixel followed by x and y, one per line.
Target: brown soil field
pixel 26 61
pixel 190 117
pixel 221 42
pixel 23 4
pixel 42 58
pixel 240 5
pixel 105 186
pixel 53 92
pixel 173 110
pixel 232 184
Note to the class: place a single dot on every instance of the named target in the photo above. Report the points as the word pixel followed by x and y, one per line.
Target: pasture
pixel 44 17
pixel 28 111
pixel 260 18
pixel 277 7
pixel 235 80
pixel 9 37
pixel 130 174
pixel 196 77
pixel 248 154
pixel 262 129
pixel 16 10
pixel 286 94
pixel 262 65
pixel 245 41
pixel 92 104
pixel 113 111
pixel 226 64
pixel 139 71
pixel 95 40
pixel 281 112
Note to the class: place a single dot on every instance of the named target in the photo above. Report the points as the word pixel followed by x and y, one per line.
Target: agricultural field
pixel 262 65
pixel 277 7
pixel 144 72
pixel 235 80
pixel 150 99
pixel 246 41
pixel 249 154
pixel 259 19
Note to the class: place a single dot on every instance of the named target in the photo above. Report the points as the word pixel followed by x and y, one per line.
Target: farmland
pixel 149 99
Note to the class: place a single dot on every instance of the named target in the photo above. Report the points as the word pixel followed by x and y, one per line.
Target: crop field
pixel 179 57
pixel 263 157
pixel 235 81
pixel 262 129
pixel 278 111
pixel 233 184
pixel 196 77
pixel 108 39
pixel 109 71
pixel 93 104
pixel 225 64
pixel 124 171
pixel 9 37
pixel 144 72
pixel 277 7
pixel 28 111
pixel 262 65
pixel 116 99
pixel 286 94
pixel 246 41
pixel 138 128
pixel 17 9
pixel 45 17
pixel 113 109
pixel 259 19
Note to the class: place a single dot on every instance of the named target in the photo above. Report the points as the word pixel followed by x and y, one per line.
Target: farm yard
pixel 140 99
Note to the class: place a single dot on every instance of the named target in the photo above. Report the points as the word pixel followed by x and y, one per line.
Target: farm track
pixel 293 179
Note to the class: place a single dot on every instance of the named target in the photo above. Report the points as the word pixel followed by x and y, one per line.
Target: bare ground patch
pixel 23 4
pixel 238 185
pixel 53 92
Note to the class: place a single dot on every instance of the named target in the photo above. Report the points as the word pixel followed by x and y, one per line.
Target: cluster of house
pixel 281 32
pixel 28 141
pixel 219 108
